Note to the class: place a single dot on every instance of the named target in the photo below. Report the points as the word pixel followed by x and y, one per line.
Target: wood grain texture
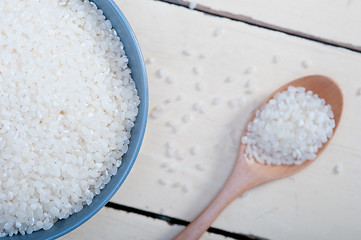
pixel 314 204
pixel 335 22
pixel 111 224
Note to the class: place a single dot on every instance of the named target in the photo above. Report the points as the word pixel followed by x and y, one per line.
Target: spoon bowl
pixel 325 88
pixel 247 173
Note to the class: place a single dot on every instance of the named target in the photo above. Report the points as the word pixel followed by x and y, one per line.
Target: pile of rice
pixel 290 128
pixel 68 104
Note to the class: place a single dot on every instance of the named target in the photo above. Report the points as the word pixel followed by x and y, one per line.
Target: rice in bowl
pixel 68 106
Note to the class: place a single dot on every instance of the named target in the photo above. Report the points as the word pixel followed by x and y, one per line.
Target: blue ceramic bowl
pixel 136 64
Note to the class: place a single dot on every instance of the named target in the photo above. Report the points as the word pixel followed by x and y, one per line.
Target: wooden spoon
pixel 247 173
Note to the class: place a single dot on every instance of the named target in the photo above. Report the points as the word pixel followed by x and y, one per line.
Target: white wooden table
pixel 207 56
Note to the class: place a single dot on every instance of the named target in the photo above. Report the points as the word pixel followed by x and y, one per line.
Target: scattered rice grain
pixel 163 181
pixel 250 91
pixel 276 58
pixel 338 168
pixel 230 79
pixel 187 118
pixel 200 167
pixel 150 60
pixel 358 92
pixel 195 150
pixel 165 165
pixel 170 152
pixel 170 79
pixel 200 86
pixel 250 70
pixel 242 101
pixel 204 55
pixel 172 123
pixel 173 169
pixel 186 187
pixel 233 103
pixel 180 97
pixel 169 100
pixel 218 31
pixel 180 154
pixel 306 63
pixel 170 144
pixel 161 72
pixel 178 184
pixel 217 100
pixel 177 128
pixel 192 5
pixel 249 83
pixel 187 52
pixel 197 70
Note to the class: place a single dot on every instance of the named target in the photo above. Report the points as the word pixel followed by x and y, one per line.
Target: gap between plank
pixel 252 22
pixel 177 221
pixel 261 24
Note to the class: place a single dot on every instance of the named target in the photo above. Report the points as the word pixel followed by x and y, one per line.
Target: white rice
pixel 290 128
pixel 338 168
pixel 68 104
pixel 192 5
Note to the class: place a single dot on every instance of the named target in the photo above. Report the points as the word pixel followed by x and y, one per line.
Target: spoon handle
pixel 236 184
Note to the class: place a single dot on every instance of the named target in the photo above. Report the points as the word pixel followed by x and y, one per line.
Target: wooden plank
pixel 315 204
pixel 111 224
pixel 334 22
